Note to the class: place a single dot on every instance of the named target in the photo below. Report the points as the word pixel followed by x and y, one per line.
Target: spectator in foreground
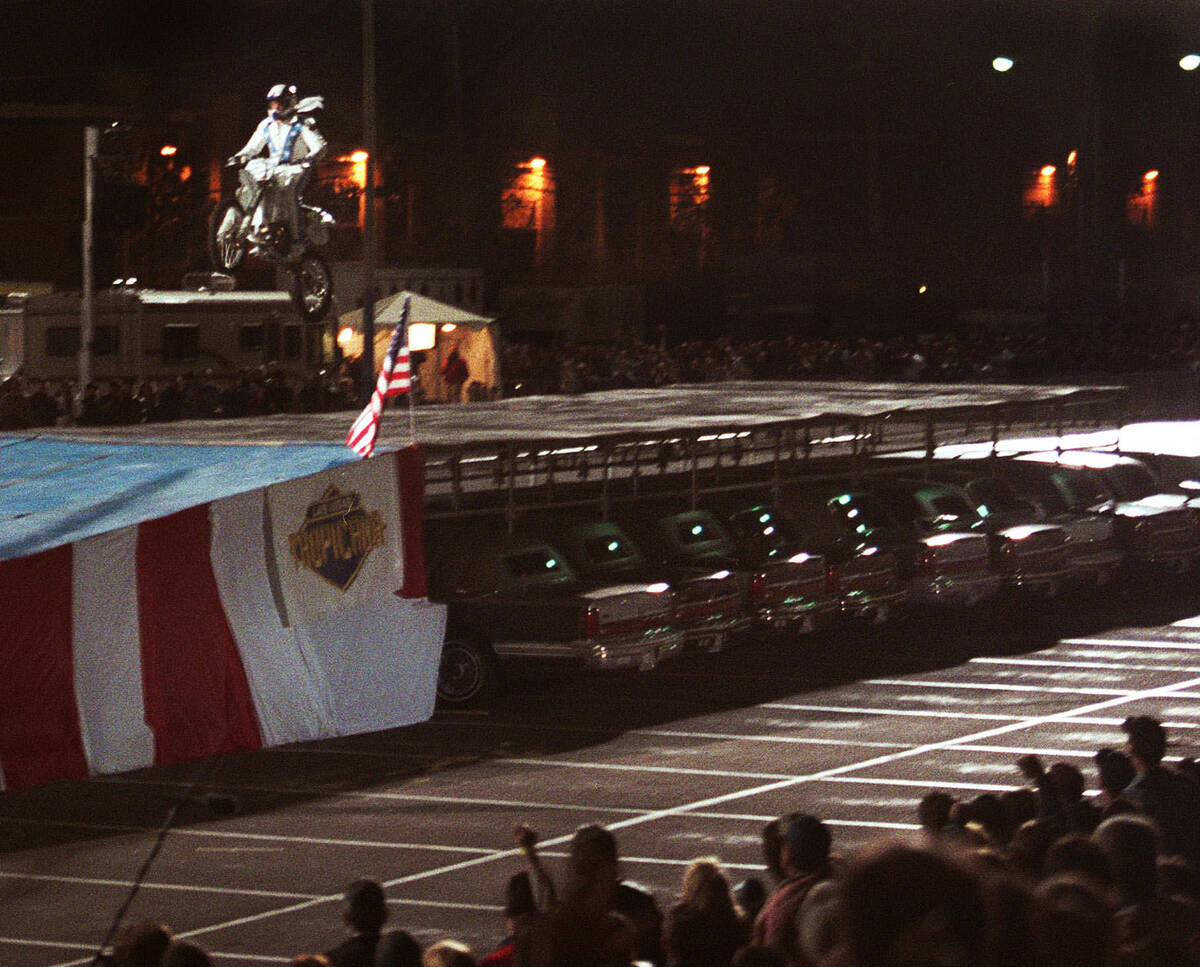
pixel 1169 797
pixel 906 905
pixel 397 948
pixel 527 939
pixel 1115 772
pixel 933 814
pixel 365 913
pixel 1072 925
pixel 704 928
pixel 585 925
pixel 448 953
pixel 183 954
pixel 805 861
pixel 141 945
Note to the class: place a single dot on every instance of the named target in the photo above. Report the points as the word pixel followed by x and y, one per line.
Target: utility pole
pixel 87 293
pixel 369 247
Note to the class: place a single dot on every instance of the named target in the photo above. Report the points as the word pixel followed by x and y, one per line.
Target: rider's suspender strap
pixel 289 143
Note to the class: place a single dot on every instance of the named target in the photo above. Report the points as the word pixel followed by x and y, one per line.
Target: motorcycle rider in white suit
pixel 293 146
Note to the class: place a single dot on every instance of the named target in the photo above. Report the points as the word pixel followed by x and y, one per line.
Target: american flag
pixel 395 377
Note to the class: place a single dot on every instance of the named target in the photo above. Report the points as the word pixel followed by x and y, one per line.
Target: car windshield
pixel 1181 472
pixel 1132 481
pixel 947 509
pixel 1082 487
pixel 995 495
pixel 535 562
pixel 609 549
pixel 765 533
pixel 691 531
pixel 862 512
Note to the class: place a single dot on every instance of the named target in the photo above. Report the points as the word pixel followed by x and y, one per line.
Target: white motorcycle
pixel 229 239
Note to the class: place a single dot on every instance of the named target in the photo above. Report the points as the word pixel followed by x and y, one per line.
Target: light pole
pixel 87 294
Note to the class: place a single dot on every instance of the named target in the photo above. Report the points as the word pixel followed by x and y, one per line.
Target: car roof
pixel 1091 459
pixel 1178 438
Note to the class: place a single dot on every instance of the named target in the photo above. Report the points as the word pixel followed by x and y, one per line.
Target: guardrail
pixel 516 477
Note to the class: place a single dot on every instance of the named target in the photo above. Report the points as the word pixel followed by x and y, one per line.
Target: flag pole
pixel 412 419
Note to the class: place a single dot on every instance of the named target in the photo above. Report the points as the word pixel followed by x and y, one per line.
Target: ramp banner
pixel 165 641
pixel 336 539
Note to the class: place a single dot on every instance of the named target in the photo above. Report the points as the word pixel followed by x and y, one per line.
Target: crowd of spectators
pixel 30 403
pixel 983 355
pixel 1044 355
pixel 1044 875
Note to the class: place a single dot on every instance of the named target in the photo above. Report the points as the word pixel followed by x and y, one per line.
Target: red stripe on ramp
pixel 198 701
pixel 40 736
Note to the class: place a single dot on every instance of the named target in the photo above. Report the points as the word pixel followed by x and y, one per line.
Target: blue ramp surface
pixel 57 491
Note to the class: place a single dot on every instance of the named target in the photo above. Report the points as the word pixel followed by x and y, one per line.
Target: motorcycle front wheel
pixel 312 287
pixel 226 250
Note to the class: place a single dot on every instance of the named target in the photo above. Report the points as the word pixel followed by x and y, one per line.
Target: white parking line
pixel 183 831
pixel 626 767
pixel 150 885
pixel 446 905
pixel 1088 665
pixel 21 942
pixel 925 783
pixel 366 795
pixel 1152 643
pixel 907 712
pixel 671 733
pixel 782 739
pixel 995 687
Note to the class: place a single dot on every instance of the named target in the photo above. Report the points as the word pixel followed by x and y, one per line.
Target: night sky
pixel 749 69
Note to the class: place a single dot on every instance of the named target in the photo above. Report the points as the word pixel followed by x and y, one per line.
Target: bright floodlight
pixel 1189 62
pixel 1002 64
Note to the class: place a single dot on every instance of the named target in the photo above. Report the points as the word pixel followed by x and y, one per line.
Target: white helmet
pixel 285 94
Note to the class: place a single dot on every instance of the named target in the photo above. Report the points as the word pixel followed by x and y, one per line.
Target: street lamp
pixel 1002 64
pixel 1189 62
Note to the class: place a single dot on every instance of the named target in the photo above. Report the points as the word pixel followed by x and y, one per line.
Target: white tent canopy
pixel 434 328
pixel 422 310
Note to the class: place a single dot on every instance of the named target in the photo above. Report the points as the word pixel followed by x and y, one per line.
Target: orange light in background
pixel 168 150
pixel 691 189
pixel 1141 208
pixel 358 167
pixel 345 336
pixel 1072 158
pixel 1042 194
pixel 528 202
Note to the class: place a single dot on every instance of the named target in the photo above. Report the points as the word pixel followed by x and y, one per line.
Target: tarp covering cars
pixel 142 625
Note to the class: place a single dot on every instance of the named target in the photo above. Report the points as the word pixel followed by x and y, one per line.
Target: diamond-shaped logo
pixel 336 537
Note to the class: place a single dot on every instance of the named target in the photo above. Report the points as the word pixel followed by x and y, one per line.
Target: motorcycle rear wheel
pixel 312 287
pixel 226 251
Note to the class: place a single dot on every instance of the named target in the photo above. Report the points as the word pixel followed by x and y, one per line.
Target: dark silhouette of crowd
pixel 31 403
pixel 1044 875
pixel 1028 356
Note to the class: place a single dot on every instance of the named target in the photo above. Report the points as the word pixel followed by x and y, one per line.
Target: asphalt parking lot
pixel 689 760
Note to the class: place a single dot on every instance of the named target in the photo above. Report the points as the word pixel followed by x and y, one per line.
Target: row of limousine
pixel 902 535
